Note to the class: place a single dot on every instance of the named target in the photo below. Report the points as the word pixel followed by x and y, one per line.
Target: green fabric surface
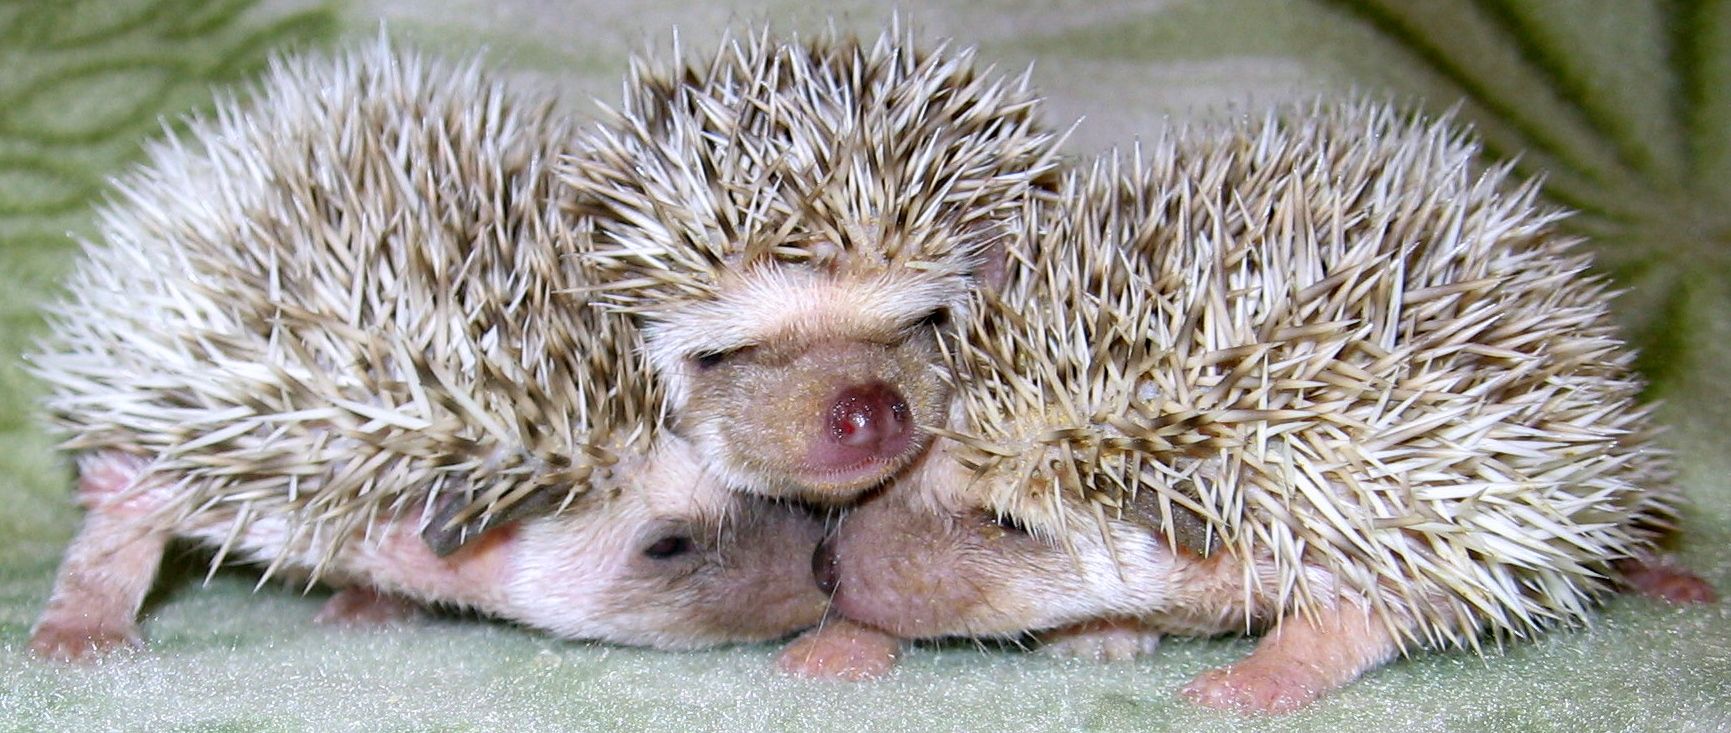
pixel 1622 108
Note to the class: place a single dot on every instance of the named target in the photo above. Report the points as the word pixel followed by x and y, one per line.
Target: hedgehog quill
pixel 325 324
pixel 1318 376
pixel 793 222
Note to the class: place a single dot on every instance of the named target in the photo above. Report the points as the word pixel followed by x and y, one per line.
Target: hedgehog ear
pixel 445 533
pixel 1189 529
pixel 1018 235
pixel 1190 532
pixel 994 265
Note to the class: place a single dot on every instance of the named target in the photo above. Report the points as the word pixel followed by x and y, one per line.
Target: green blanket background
pixel 1621 105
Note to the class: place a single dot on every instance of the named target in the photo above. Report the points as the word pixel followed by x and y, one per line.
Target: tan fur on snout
pixel 790 304
pixel 790 340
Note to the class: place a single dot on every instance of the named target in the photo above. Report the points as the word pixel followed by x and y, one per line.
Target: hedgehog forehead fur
pixel 1342 345
pixel 827 151
pixel 348 297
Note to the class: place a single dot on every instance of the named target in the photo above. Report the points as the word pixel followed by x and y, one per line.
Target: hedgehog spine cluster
pixel 804 152
pixel 345 298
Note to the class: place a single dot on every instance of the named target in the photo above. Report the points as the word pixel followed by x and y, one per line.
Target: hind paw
pixel 1109 640
pixel 1663 581
pixel 363 606
pixel 80 643
pixel 1250 687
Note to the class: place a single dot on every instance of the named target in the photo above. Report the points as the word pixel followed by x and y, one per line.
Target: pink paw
pixel 1252 688
pixel 840 650
pixel 364 606
pixel 1101 641
pixel 107 479
pixel 79 643
pixel 1667 583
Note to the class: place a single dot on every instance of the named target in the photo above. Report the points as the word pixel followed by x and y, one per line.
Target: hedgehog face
pixel 796 382
pixel 671 560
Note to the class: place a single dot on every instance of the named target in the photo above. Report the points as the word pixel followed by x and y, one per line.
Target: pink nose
pixel 870 418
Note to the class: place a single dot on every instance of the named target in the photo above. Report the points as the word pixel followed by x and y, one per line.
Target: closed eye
pixel 710 360
pixel 938 318
pixel 668 547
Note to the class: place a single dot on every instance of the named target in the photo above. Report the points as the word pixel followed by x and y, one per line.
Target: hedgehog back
pixel 342 296
pixel 853 156
pixel 1344 346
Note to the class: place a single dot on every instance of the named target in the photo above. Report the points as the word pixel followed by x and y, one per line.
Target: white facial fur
pixel 768 304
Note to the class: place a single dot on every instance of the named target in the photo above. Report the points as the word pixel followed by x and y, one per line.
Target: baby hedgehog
pixel 325 321
pixel 1320 376
pixel 792 222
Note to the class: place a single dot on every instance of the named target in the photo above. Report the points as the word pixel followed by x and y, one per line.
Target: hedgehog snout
pixel 824 414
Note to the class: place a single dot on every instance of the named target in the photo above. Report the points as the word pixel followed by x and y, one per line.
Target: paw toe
pixel 1669 584
pixel 840 651
pixel 1248 690
pixel 81 644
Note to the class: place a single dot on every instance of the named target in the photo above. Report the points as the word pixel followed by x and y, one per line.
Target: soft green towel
pixel 1622 106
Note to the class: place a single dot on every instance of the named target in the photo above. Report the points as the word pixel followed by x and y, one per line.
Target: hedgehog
pixel 337 330
pixel 1320 374
pixel 792 222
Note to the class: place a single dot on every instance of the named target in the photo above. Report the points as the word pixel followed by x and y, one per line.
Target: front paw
pixel 1116 640
pixel 1251 687
pixel 79 642
pixel 840 650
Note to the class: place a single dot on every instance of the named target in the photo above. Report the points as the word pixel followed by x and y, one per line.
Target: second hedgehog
pixel 794 221
pixel 340 317
pixel 1318 376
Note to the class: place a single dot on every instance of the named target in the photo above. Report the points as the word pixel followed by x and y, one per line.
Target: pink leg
pixel 1658 578
pixel 1298 662
pixel 1106 640
pixel 362 605
pixel 108 569
pixel 840 649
